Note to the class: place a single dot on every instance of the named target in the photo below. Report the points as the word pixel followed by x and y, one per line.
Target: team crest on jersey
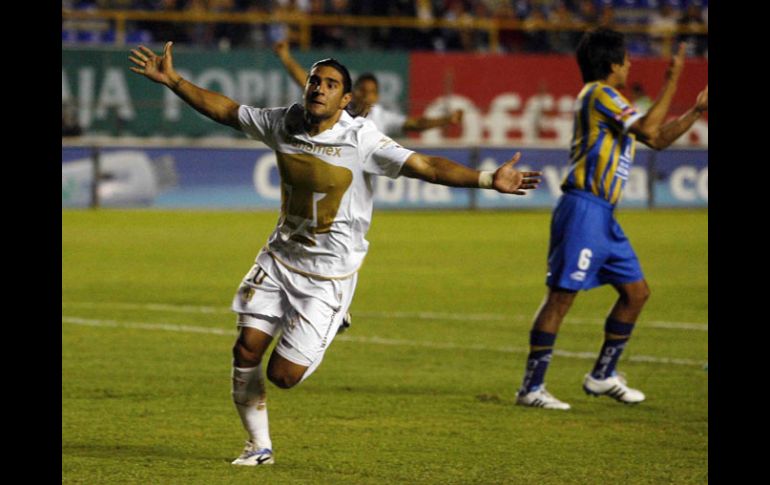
pixel 247 293
pixel 626 112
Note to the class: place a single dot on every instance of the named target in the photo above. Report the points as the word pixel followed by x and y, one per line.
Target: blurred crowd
pixel 660 16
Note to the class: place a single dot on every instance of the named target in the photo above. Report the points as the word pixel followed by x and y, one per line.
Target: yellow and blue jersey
pixel 602 149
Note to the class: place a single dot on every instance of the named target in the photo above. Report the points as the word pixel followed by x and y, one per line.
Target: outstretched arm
pixel 296 72
pixel 421 123
pixel 439 170
pixel 160 69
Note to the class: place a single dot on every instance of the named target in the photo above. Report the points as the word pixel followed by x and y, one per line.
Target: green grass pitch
pixel 420 390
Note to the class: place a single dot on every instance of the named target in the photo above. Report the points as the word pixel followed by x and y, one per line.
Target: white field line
pixel 465 317
pixel 371 340
pixel 171 327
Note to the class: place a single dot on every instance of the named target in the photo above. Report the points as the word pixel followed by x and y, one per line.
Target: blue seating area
pixel 666 13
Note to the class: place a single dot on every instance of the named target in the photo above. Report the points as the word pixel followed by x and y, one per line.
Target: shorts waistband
pixel 590 197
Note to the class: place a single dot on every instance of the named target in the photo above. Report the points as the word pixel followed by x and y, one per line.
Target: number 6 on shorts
pixel 584 261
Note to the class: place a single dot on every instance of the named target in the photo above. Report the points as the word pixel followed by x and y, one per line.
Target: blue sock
pixel 538 360
pixel 611 350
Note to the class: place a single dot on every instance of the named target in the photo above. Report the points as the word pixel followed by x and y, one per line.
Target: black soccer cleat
pixel 346 321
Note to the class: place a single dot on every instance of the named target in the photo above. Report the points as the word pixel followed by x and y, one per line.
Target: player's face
pixel 365 95
pixel 622 71
pixel 324 92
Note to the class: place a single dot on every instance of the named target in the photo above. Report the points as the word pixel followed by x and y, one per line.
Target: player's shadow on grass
pixel 152 452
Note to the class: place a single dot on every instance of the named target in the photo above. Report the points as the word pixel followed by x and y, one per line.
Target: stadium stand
pixel 538 26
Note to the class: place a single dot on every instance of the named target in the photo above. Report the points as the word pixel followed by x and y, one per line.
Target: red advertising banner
pixel 528 99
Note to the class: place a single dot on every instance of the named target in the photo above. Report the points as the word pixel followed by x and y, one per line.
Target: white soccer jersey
pixel 389 122
pixel 326 187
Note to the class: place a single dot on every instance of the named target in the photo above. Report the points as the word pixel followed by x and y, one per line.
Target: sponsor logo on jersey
pixel 317 149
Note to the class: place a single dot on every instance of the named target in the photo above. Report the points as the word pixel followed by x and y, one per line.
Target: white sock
pixel 248 390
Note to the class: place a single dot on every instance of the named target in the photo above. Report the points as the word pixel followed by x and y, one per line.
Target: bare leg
pixel 284 373
pixel 250 346
pixel 631 300
pixel 555 306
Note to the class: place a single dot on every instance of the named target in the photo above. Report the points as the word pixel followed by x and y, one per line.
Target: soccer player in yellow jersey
pixel 587 246
pixel 303 280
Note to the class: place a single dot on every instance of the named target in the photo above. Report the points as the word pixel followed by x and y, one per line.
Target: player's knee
pixel 282 378
pixel 281 373
pixel 638 295
pixel 560 301
pixel 243 357
pixel 645 293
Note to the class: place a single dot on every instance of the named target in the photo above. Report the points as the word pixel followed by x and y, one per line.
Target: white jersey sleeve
pixel 382 155
pixel 259 123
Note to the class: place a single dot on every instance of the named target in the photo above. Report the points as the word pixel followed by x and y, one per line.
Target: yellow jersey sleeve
pixel 615 109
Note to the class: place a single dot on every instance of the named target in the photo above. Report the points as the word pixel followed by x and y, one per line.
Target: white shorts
pixel 304 311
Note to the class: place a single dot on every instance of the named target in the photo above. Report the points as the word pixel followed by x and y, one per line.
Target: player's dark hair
pixel 367 76
pixel 347 83
pixel 597 51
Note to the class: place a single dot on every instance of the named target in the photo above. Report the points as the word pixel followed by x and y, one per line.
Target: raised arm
pixel 650 128
pixel 672 130
pixel 160 69
pixel 422 123
pixel 296 72
pixel 439 170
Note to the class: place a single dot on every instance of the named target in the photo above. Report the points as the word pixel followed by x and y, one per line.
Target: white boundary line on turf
pixel 702 327
pixel 172 327
pixel 371 340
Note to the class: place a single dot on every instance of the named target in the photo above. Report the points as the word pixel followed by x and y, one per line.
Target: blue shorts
pixel 588 247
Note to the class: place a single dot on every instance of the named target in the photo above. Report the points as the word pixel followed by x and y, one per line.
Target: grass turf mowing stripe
pixel 703 327
pixel 372 340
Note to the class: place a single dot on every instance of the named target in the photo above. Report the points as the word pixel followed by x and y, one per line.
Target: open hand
pixel 508 180
pixel 156 68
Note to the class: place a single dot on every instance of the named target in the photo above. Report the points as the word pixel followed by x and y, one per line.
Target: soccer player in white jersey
pixel 366 93
pixel 303 280
pixel 364 103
